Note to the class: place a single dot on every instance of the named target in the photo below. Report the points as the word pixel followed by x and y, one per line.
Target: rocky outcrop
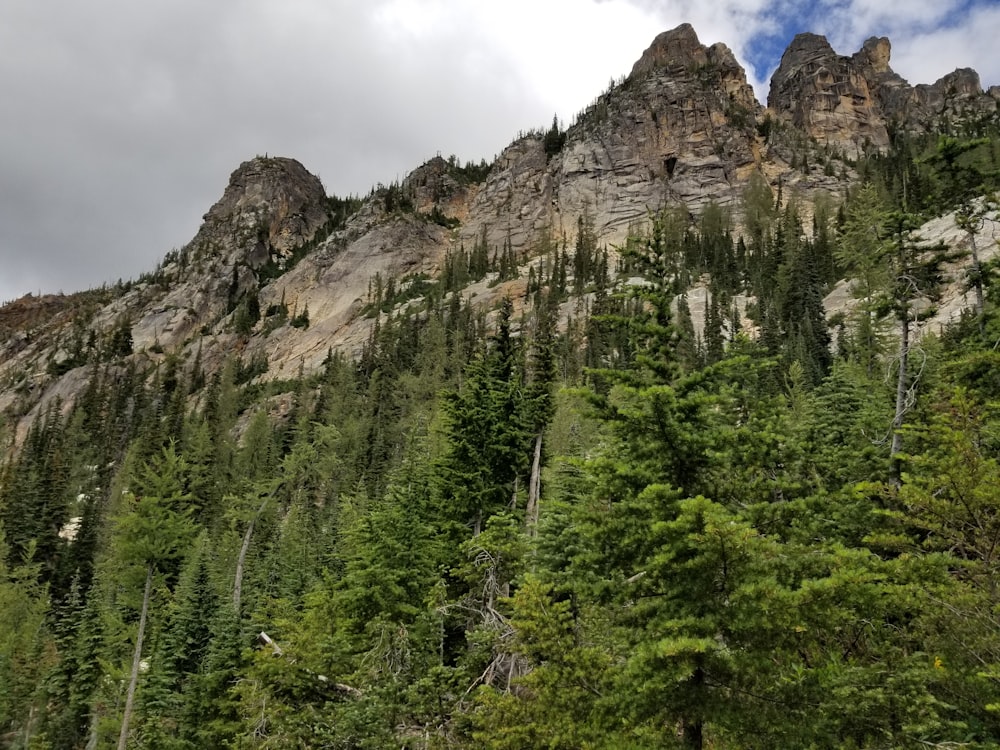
pixel 332 284
pixel 954 98
pixel 679 54
pixel 440 186
pixel 271 206
pixel 683 124
pixel 679 129
pixel 684 128
pixel 851 103
pixel 828 96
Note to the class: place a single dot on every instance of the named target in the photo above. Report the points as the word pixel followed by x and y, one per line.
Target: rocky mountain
pixel 280 273
pixel 679 129
pixel 852 103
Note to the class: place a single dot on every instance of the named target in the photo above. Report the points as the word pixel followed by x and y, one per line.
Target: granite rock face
pixel 271 206
pixel 828 96
pixel 683 128
pixel 679 129
pixel 850 103
pixel 955 97
pixel 436 185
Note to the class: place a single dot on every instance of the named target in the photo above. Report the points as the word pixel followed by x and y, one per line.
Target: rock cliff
pixel 851 103
pixel 271 206
pixel 828 96
pixel 277 273
pixel 679 129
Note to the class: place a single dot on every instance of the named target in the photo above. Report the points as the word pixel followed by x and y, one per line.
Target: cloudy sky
pixel 120 121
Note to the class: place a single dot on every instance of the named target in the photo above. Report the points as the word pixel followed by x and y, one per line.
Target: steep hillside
pixel 675 428
pixel 281 274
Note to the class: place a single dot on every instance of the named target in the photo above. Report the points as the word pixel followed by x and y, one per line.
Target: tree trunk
pixel 693 728
pixel 902 384
pixel 694 735
pixel 534 489
pixel 241 560
pixel 92 733
pixel 136 660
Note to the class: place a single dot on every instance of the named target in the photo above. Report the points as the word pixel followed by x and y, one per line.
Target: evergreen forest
pixel 580 520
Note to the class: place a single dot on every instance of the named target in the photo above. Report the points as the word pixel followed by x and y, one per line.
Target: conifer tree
pixel 152 536
pixel 862 250
pixel 169 704
pixel 966 187
pixel 488 440
pixel 24 603
pixel 799 299
pixel 36 494
pixel 758 216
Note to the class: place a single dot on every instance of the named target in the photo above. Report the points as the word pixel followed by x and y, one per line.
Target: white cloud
pixel 930 38
pixel 971 43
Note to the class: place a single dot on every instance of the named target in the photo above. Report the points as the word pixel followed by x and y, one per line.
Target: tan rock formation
pixel 849 103
pixel 683 128
pixel 271 206
pixel 679 129
pixel 828 96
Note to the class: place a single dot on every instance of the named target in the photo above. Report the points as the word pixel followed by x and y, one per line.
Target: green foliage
pixel 37 501
pixel 554 139
pixel 384 296
pixel 579 522
pixel 470 172
pixel 157 525
pixel 439 217
pixel 397 198
pixel 487 434
pixel 798 300
pixel 246 315
pixel 554 701
pixel 300 320
pixel 119 343
pixel 24 603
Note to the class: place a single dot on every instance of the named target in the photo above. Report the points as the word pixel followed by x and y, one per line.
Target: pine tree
pixel 799 300
pixel 947 504
pixel 36 494
pixel 688 353
pixel 584 253
pixel 915 273
pixel 863 251
pixel 538 400
pixel 966 187
pixel 25 604
pixel 488 440
pixel 758 216
pixel 152 535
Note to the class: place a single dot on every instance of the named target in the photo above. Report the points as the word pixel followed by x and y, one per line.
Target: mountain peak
pixel 848 103
pixel 805 44
pixel 673 48
pixel 271 205
pixel 830 96
pixel 686 130
pixel 875 53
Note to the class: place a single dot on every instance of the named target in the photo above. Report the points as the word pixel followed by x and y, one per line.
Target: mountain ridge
pixel 683 129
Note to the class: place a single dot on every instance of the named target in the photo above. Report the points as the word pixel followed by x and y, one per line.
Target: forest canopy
pixel 577 521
